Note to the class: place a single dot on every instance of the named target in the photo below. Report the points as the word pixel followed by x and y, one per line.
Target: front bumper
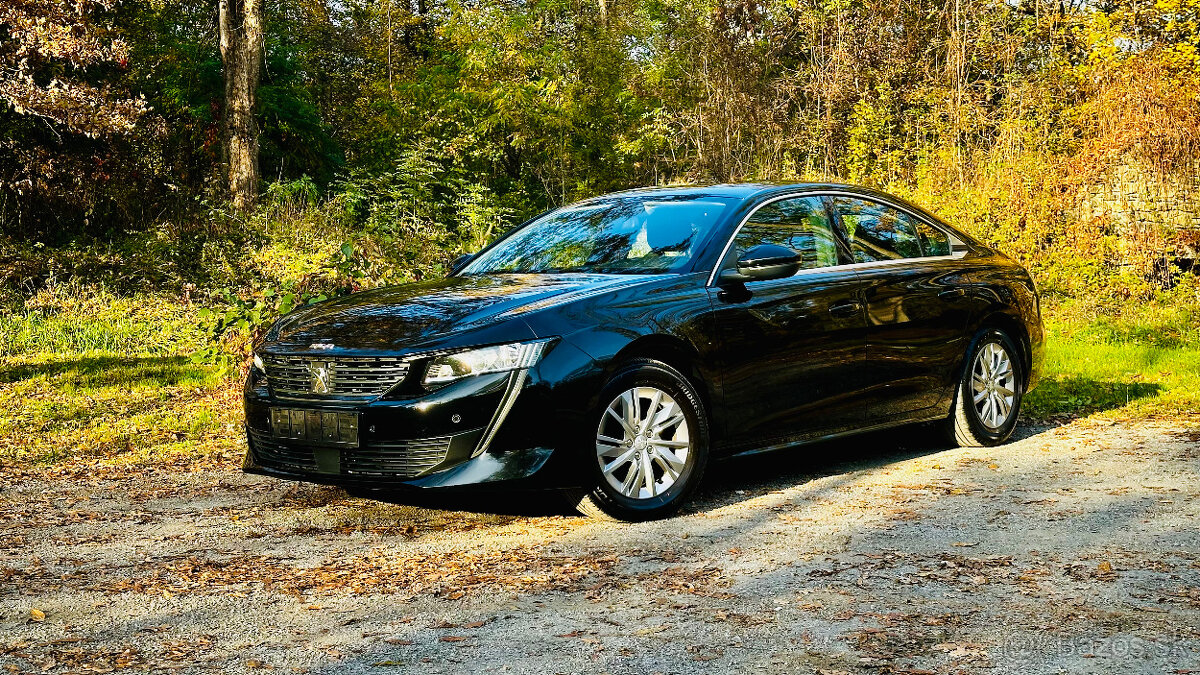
pixel 498 428
pixel 520 466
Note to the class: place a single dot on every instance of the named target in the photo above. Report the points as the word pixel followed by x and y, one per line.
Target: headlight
pixel 258 364
pixel 501 358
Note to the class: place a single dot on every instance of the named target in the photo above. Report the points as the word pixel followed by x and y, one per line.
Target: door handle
pixel 950 293
pixel 845 308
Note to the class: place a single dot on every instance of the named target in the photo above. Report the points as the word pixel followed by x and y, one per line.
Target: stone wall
pixel 1138 202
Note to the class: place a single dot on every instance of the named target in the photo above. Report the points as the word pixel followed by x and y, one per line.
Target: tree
pixel 46 36
pixel 59 117
pixel 240 23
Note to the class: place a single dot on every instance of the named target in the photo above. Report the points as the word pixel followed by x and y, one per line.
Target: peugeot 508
pixel 609 349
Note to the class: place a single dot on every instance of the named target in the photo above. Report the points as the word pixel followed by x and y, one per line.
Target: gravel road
pixel 1075 549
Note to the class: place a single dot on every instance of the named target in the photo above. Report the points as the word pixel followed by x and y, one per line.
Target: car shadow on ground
pixel 737 479
pixel 728 480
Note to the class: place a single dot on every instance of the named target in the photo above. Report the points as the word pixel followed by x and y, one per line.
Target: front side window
pixel 800 224
pixel 625 235
pixel 877 232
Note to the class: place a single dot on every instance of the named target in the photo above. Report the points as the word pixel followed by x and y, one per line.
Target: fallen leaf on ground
pixel 37 614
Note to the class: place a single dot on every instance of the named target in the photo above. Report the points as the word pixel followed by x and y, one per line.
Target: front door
pixel 791 349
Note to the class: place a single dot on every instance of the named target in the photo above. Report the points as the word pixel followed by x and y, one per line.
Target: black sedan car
pixel 610 348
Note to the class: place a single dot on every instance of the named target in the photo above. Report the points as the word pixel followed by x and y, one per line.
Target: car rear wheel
pixel 987 400
pixel 647 447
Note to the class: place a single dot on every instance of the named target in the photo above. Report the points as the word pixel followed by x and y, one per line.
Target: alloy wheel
pixel 643 443
pixel 993 385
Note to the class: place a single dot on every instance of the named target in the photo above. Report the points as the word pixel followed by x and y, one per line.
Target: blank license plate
pixel 315 426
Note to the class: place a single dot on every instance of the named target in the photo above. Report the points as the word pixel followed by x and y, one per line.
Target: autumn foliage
pixel 419 131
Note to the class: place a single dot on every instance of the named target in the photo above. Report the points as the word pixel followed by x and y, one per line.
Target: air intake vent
pixel 274 454
pixel 403 459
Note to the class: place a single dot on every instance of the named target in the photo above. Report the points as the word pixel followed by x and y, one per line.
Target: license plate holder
pixel 315 427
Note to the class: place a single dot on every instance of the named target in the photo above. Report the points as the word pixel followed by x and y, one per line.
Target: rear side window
pixel 800 224
pixel 878 232
pixel 933 240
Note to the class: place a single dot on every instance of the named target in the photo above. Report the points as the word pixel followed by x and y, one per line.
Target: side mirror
pixel 460 262
pixel 763 262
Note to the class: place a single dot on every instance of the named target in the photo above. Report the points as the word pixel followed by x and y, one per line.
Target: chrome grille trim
pixel 352 377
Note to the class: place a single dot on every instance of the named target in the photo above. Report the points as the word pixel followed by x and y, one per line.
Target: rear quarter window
pixel 934 241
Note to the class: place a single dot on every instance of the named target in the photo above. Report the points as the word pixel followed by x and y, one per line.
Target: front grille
pixel 405 459
pixel 313 377
pixel 272 453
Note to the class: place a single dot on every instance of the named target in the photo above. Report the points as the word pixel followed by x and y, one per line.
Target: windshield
pixel 632 235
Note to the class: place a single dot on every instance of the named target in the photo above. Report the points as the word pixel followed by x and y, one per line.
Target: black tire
pixel 966 427
pixel 599 499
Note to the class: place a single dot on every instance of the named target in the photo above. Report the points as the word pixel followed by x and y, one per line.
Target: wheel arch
pixel 671 350
pixel 1015 328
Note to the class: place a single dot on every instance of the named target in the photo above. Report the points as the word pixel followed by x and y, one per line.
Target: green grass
pixel 1125 380
pixel 75 320
pixel 1138 361
pixel 86 376
pixel 116 408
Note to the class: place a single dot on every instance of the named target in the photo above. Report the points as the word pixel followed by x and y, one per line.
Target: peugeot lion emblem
pixel 318 376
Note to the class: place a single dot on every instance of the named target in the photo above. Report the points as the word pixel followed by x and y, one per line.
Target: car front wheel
pixel 648 445
pixel 987 400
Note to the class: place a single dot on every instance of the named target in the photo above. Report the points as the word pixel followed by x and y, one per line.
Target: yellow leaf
pixel 37 615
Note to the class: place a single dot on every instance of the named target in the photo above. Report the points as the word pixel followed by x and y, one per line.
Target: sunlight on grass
pixel 113 406
pixel 73 319
pixel 89 376
pixel 1143 362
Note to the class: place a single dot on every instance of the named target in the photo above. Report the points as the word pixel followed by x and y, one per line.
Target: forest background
pixel 175 175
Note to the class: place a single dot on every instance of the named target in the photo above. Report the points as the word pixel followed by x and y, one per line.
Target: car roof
pixel 740 190
pixel 764 189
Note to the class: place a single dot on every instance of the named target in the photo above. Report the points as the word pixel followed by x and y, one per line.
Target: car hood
pixel 427 314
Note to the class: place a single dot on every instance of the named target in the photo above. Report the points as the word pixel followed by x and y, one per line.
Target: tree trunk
pixel 241 28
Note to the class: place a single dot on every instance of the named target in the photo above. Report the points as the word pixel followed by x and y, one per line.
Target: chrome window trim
pixel 895 261
pixel 958 248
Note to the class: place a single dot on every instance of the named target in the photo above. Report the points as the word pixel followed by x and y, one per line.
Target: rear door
pixel 916 315
pixel 791 349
